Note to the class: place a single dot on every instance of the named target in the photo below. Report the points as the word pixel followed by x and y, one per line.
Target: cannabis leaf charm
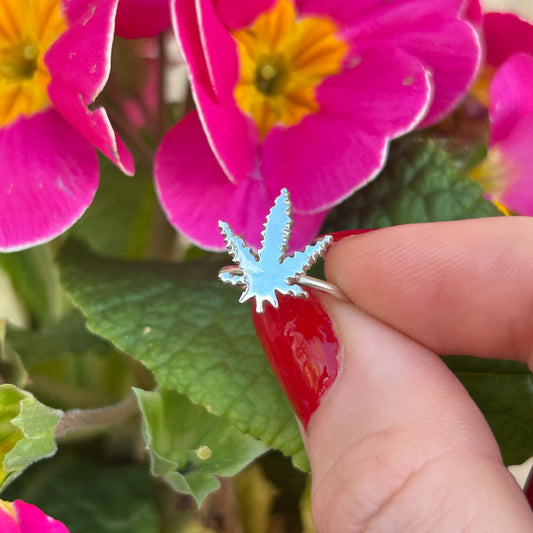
pixel 270 270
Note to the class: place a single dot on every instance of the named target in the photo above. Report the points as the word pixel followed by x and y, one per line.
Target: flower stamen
pixel 27 30
pixel 283 59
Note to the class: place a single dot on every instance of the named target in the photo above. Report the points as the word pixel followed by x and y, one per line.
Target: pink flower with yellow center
pixel 504 34
pixel 302 94
pixel 506 174
pixel 506 87
pixel 54 61
pixel 21 517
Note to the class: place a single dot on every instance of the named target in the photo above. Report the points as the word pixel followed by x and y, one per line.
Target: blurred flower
pixel 304 95
pixel 21 517
pixel 54 61
pixel 142 18
pixel 504 34
pixel 506 174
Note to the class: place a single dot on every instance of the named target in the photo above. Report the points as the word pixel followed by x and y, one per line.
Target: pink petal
pixel 432 32
pixel 518 171
pixel 348 13
pixel 505 35
pixel 220 52
pixel 237 15
pixel 7 521
pixel 32 520
pixel 331 154
pixel 231 135
pixel 142 18
pixel 511 95
pixel 81 56
pixel 454 58
pixel 93 125
pixel 185 23
pixel 49 177
pixel 473 13
pixel 79 63
pixel 195 194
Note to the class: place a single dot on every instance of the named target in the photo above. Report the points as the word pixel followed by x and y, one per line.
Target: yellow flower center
pixel 27 30
pixel 481 87
pixel 7 507
pixel 491 175
pixel 283 59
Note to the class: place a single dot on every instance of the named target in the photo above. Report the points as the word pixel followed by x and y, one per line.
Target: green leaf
pixel 190 330
pixel 503 390
pixel 27 431
pixel 90 497
pixel 189 446
pixel 69 366
pixel 420 183
pixel 12 368
pixel 34 277
pixel 118 223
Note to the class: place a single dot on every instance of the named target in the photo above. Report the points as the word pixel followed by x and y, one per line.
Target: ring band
pixel 307 281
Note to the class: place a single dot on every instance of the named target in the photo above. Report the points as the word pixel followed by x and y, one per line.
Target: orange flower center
pixel 27 30
pixel 283 59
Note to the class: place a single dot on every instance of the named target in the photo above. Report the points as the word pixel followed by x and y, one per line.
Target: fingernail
pixel 302 348
pixel 339 235
pixel 300 343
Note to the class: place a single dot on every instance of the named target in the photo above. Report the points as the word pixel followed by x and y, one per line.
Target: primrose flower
pixel 142 18
pixel 504 34
pixel 506 174
pixel 505 86
pixel 54 61
pixel 302 94
pixel 21 517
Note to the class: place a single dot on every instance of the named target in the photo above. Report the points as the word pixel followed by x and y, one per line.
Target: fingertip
pixel 456 287
pixel 397 421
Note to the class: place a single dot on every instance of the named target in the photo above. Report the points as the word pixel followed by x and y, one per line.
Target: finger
pixel 457 287
pixel 398 445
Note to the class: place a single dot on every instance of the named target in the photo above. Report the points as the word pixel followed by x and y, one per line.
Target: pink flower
pixel 21 517
pixel 302 94
pixel 504 34
pixel 506 174
pixel 54 61
pixel 506 87
pixel 142 18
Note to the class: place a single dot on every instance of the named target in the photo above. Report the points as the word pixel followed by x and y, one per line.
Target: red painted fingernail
pixel 302 349
pixel 301 346
pixel 339 235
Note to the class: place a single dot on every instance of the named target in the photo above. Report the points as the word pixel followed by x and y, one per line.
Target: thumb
pixel 397 444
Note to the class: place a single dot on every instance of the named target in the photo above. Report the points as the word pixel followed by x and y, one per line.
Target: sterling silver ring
pixel 302 279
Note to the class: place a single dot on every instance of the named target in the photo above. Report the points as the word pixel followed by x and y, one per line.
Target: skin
pixel 397 444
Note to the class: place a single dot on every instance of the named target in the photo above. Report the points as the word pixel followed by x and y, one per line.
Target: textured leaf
pixel 189 446
pixel 503 390
pixel 119 220
pixel 12 368
pixel 27 429
pixel 186 327
pixel 36 282
pixel 419 184
pixel 90 497
pixel 69 366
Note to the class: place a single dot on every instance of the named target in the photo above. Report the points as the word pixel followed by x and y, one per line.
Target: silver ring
pixel 307 281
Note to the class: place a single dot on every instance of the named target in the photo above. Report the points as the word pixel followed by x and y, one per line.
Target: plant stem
pixel 80 422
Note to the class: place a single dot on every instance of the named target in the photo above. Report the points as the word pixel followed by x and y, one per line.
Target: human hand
pixel 396 444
